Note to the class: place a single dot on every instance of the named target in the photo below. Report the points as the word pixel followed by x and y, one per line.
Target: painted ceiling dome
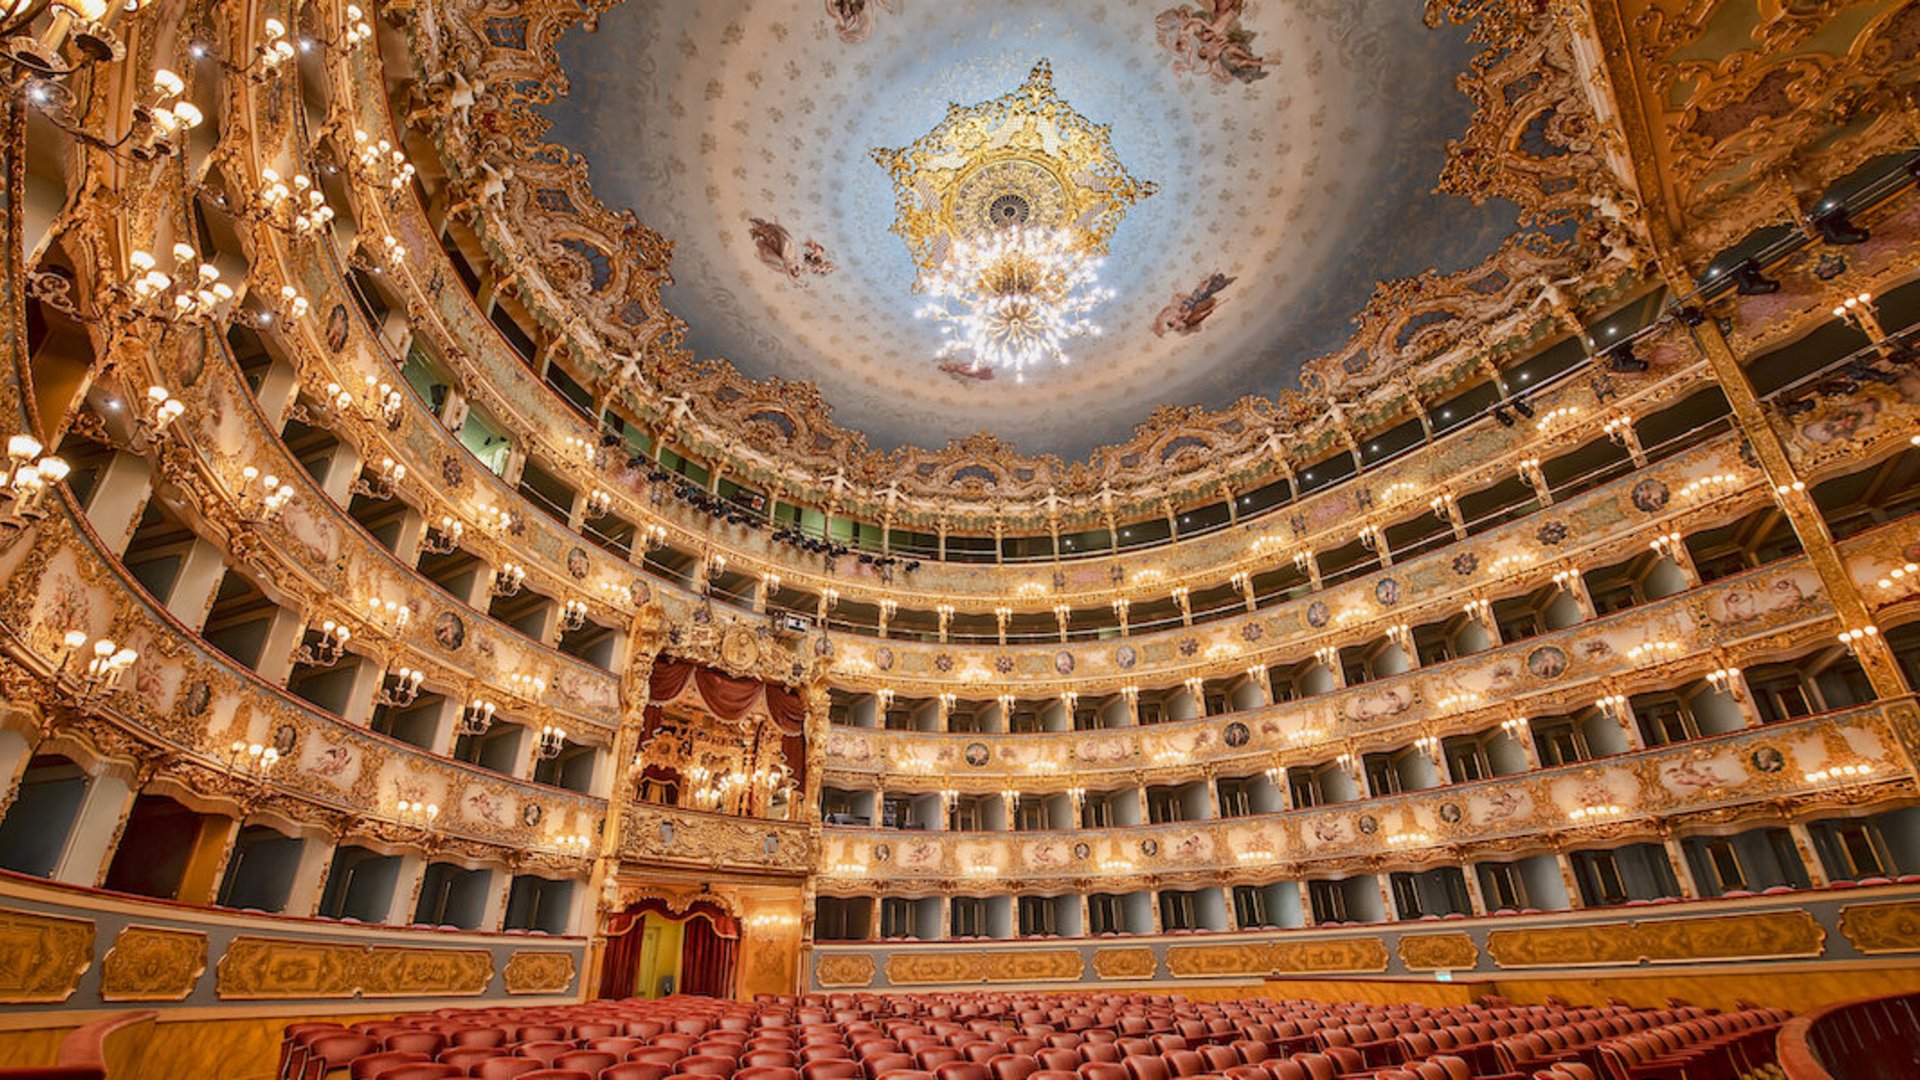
pixel 1292 152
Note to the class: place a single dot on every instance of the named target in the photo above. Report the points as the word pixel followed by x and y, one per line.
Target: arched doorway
pixel 654 949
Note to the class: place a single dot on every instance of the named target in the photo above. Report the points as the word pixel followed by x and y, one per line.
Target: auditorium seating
pixel 989 1036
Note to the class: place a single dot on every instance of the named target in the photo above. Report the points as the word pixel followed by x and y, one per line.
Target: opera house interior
pixel 962 540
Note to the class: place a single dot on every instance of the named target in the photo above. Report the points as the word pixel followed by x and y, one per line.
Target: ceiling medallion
pixel 1006 208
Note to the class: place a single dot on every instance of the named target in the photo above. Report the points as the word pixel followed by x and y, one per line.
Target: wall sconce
pixel 1595 812
pixel 654 536
pixel 1480 611
pixel 599 503
pixel 1465 700
pixel 380 162
pixel 1899 577
pixel 262 502
pixel 295 207
pixel 508 579
pixel 393 616
pixel 416 814
pixel 1515 728
pixel 327 648
pixel 1443 505
pixel 401 688
pixel 570 843
pixel 948 699
pixel 385 483
pixel 1668 546
pixel 1409 840
pixel 1428 745
pixel 494 520
pixel 273 51
pixel 1068 700
pixel 192 293
pixel 1196 687
pixel 1401 635
pixel 1116 866
pixel 1613 707
pixel 1858 310
pixel 573 616
pixel 1370 537
pixel 1841 774
pixel 530 688
pixel 1852 639
pixel 1565 580
pixel 477 717
pixel 849 869
pixel 158 125
pixel 106 661
pixel 1529 470
pixel 251 761
pixel 1255 855
pixel 888 607
pixel 158 412
pixel 552 741
pixel 1328 657
pixel 23 486
pixel 883 697
pixel 444 537
pixel 1652 651
pixel 1264 546
pixel 1710 486
pixel 1548 419
pixel 1725 682
pixel 1618 428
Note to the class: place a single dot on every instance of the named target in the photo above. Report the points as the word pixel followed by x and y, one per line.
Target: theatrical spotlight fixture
pixel 1836 227
pixel 1620 359
pixel 1501 414
pixel 1520 406
pixel 1749 281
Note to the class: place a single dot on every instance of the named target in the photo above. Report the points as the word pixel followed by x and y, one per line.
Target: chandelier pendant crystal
pixel 1012 298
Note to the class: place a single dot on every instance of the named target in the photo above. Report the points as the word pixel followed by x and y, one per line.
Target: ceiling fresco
pixel 1294 149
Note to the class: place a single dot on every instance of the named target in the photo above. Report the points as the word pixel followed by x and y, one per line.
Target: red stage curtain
pixel 728 697
pixel 707 959
pixel 707 956
pixel 669 678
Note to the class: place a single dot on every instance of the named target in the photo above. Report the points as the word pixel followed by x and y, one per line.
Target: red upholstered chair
pixel 1142 1067
pixel 416 1042
pixel 832 1069
pixel 704 1065
pixel 768 1072
pixel 618 1045
pixel 1284 1069
pixel 1185 1062
pixel 466 1057
pixel 644 1029
pixel 542 1033
pixel 659 1055
pixel 1220 1058
pixel 557 1074
pixel 483 1037
pixel 982 1052
pixel 962 1070
pixel 1054 1057
pixel 1100 1051
pixel 505 1068
pixel 1053 1074
pixel 1095 1070
pixel 1245 1072
pixel 906 1074
pixel 880 1063
pixel 826 1051
pixel 692 1025
pixel 636 1070
pixel 368 1066
pixel 418 1070
pixel 591 1061
pixel 596 1029
pixel 935 1056
pixel 783 1059
pixel 1013 1067
pixel 329 1054
pixel 544 1051
pixel 294 1041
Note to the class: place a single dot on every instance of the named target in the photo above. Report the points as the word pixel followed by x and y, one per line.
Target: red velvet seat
pixel 1094 1070
pixel 465 1058
pixel 592 1061
pixel 418 1070
pixel 831 1069
pixel 542 1033
pixel 506 1068
pixel 637 1070
pixel 368 1066
pixel 543 1051
pixel 331 1052
pixel 962 1070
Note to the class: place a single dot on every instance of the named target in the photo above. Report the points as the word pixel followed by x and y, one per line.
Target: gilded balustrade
pixel 1754 772
pixel 183 704
pixel 679 837
pixel 1611 522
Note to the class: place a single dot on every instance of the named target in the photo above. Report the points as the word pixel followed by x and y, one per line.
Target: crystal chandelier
pixel 1012 298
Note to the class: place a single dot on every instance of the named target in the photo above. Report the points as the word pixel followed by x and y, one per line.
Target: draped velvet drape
pixel 730 698
pixel 709 951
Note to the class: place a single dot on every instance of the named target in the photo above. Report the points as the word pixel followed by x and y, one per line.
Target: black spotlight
pixel 1690 315
pixel 1836 227
pixel 1520 406
pixel 1749 281
pixel 1501 414
pixel 1620 358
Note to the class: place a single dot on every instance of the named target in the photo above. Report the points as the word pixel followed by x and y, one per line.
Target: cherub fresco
pixel 853 19
pixel 1207 39
pixel 776 248
pixel 1189 310
pixel 963 371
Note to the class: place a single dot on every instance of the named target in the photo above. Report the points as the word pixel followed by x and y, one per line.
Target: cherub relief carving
pixel 853 19
pixel 1208 39
pixel 775 246
pixel 1191 309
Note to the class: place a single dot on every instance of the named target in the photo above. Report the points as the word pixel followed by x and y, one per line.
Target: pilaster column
pixel 1809 855
pixel 1388 909
pixel 1682 869
pixel 310 876
pixel 1476 898
pixel 96 830
pixel 1569 881
pixel 645 642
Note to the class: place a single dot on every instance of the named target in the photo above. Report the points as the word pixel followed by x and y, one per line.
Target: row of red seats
pixel 957 1037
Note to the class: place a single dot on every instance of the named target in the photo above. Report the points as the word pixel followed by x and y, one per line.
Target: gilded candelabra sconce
pixel 261 497
pixel 106 662
pixel 508 579
pixel 552 741
pixel 25 482
pixel 270 53
pixel 573 615
pixel 384 484
pixel 324 647
pixel 400 688
pixel 476 717
pixel 444 537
